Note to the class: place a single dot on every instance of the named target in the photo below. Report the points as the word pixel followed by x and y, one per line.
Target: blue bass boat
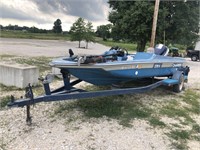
pixel 104 70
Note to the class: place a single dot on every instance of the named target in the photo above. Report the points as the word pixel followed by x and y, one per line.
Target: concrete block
pixel 18 75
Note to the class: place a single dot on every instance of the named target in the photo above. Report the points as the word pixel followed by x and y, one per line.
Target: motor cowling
pixel 161 49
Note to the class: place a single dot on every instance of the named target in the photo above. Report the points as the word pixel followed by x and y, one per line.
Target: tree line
pixel 24 28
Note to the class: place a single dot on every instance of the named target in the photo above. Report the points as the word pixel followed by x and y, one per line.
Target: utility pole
pixel 155 18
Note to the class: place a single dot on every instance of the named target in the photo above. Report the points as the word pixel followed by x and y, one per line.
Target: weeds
pixel 192 99
pixel 180 134
pixel 4 101
pixel 196 128
pixel 129 46
pixel 181 137
pixel 172 111
pixel 9 88
pixel 154 121
pixel 112 107
pixel 41 62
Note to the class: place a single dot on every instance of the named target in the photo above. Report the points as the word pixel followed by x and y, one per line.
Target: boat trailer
pixel 69 92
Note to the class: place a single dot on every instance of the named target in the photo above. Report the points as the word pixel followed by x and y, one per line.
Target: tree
pixel 81 31
pixel 89 34
pixel 57 28
pixel 132 20
pixel 104 31
pixel 180 26
pixel 78 30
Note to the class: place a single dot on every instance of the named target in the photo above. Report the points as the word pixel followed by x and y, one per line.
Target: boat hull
pixel 98 76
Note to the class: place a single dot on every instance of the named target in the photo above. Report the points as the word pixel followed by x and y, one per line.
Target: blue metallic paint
pixel 99 76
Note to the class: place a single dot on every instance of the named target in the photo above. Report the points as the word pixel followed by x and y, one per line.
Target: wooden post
pixel 155 17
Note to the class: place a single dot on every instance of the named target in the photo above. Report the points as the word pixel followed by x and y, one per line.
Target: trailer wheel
pixel 180 86
pixel 194 58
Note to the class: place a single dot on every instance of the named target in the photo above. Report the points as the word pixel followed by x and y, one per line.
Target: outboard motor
pixel 161 49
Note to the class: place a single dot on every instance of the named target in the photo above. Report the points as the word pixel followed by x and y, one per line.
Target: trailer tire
pixel 180 86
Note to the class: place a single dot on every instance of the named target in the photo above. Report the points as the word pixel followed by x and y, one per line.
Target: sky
pixel 43 13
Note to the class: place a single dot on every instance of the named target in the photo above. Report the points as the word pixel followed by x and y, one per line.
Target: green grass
pixel 131 47
pixel 122 108
pixel 175 110
pixel 154 121
pixel 4 101
pixel 193 100
pixel 196 128
pixel 9 88
pixel 127 107
pixel 180 47
pixel 181 137
pixel 41 62
pixel 180 134
pixel 28 35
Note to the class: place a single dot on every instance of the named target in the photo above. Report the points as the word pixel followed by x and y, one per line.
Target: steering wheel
pixel 123 51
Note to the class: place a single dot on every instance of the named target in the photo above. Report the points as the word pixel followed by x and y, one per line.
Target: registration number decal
pixel 157 65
